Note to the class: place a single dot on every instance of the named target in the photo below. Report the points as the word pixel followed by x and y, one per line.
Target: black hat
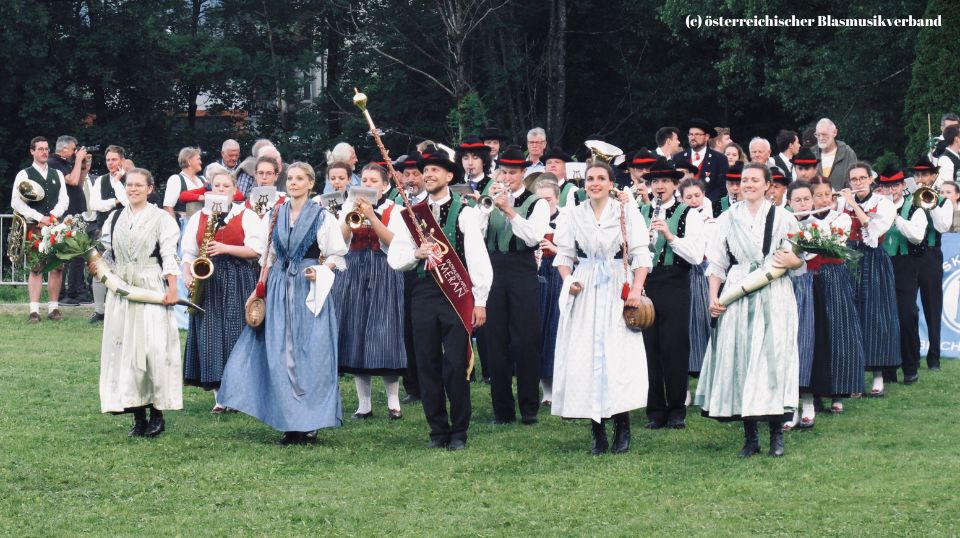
pixel 924 165
pixel 804 157
pixel 432 155
pixel 512 157
pixel 777 175
pixel 472 144
pixel 491 133
pixel 555 153
pixel 641 158
pixel 661 169
pixel 734 172
pixel 407 161
pixel 683 164
pixel 891 175
pixel 703 125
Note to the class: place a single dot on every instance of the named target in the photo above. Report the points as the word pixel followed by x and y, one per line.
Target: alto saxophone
pixel 202 268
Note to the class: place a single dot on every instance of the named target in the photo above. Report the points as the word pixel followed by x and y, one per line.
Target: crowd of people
pixel 405 270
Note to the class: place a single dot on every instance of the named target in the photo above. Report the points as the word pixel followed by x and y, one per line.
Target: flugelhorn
pixel 926 198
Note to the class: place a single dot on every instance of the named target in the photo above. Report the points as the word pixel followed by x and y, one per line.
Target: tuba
pixel 602 151
pixel 29 191
pixel 926 198
pixel 202 268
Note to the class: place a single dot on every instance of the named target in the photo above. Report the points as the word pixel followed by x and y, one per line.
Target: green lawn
pixel 885 467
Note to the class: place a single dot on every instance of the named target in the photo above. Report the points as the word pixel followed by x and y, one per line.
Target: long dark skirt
pixel 838 350
pixel 369 305
pixel 803 291
pixel 550 284
pixel 699 317
pixel 212 334
pixel 877 308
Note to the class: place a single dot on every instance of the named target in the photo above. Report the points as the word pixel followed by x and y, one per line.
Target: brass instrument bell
pixel 926 198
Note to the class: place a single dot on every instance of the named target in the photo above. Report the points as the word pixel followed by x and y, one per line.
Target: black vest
pixel 51 189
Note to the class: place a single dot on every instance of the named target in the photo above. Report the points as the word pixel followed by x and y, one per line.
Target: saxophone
pixel 202 268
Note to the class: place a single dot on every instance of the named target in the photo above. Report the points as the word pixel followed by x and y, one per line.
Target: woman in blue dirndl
pixel 550 285
pixel 284 373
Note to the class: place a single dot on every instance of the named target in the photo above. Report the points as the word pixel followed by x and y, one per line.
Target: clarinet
pixel 657 204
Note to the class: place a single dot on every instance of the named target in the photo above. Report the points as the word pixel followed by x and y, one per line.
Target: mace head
pixel 360 99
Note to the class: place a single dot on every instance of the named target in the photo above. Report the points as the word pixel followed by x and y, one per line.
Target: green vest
pixel 661 244
pixel 725 203
pixel 894 243
pixel 933 236
pixel 565 191
pixel 485 192
pixel 449 229
pixel 51 189
pixel 500 236
pixel 580 197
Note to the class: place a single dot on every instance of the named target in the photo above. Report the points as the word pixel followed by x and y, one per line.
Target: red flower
pixel 29 235
pixel 69 233
pixel 53 240
pixel 36 245
pixel 840 232
pixel 789 236
pixel 814 225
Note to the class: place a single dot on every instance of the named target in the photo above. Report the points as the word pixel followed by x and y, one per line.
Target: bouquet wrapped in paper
pixel 63 241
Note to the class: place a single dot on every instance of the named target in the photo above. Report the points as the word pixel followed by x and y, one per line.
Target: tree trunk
pixel 192 90
pixel 332 74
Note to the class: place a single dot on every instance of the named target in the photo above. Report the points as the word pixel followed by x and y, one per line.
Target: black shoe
pixel 34 318
pixel 395 414
pixel 139 424
pixel 409 399
pixel 621 433
pixel 84 300
pixel 55 315
pixel 529 420
pixel 96 318
pixel 363 416
pixel 157 424
pixel 911 379
pixel 751 439
pixel 677 423
pixel 69 301
pixel 501 422
pixel 934 367
pixel 310 437
pixel 776 439
pixel 457 444
pixel 437 443
pixel 291 438
pixel 600 443
pixel 486 380
pixel 655 425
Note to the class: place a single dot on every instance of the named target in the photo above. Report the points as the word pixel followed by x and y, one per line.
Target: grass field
pixel 884 467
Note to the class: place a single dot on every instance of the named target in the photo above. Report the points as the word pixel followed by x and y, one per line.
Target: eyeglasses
pixel 536 142
pixel 692 135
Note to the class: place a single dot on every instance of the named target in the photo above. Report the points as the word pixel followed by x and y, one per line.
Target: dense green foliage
pixel 884 467
pixel 131 72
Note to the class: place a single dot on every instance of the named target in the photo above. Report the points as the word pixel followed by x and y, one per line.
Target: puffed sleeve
pixel 690 247
pixel 331 243
pixel 401 256
pixel 942 216
pixel 169 236
pixel 189 248
pixel 254 231
pixel 478 259
pixel 792 227
pixel 531 230
pixel 914 228
pixel 717 256
pixel 640 255
pixel 172 192
pixel 565 239
pixel 63 199
pixel 106 237
pixel 880 221
pixel 19 205
pixel 842 222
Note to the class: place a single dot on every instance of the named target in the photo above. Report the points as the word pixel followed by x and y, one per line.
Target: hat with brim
pixel 925 165
pixel 472 144
pixel 433 156
pixel 734 172
pixel 683 164
pixel 641 158
pixel 491 133
pixel 663 169
pixel 703 125
pixel 556 153
pixel 512 157
pixel 777 175
pixel 891 175
pixel 407 161
pixel 805 158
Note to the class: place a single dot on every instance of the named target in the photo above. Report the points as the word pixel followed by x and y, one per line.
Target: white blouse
pixel 255 231
pixel 601 237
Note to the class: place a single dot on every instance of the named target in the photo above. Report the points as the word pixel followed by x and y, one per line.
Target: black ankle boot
pixel 621 433
pixel 139 422
pixel 600 443
pixel 156 425
pixel 776 438
pixel 751 439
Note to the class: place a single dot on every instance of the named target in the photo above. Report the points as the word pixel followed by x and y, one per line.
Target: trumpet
pixel 354 219
pixel 926 198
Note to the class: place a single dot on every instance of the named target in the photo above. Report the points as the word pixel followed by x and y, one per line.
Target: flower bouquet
pixel 63 241
pixel 830 243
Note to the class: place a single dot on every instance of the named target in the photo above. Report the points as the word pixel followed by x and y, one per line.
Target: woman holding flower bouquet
pixel 140 364
pixel 239 238
pixel 750 369
pixel 800 199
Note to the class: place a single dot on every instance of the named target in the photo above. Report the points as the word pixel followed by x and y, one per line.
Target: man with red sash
pixel 448 300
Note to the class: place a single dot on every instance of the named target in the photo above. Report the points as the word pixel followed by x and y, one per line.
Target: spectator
pixel 734 154
pixel 788 144
pixel 74 165
pixel 760 151
pixel 230 155
pixel 536 146
pixel 344 153
pixel 247 170
pixel 836 158
pixel 722 140
pixel 668 142
pixel 189 178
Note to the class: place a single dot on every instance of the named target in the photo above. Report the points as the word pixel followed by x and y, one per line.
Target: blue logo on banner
pixel 950 320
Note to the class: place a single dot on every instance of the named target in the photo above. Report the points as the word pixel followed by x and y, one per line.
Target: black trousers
pixel 411 383
pixel 667 342
pixel 931 297
pixel 74 279
pixel 441 345
pixel 512 334
pixel 905 275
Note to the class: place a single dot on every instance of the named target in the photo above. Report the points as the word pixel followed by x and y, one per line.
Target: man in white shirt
pixel 536 146
pixel 760 151
pixel 440 339
pixel 668 142
pixel 949 161
pixel 39 214
pixel 788 144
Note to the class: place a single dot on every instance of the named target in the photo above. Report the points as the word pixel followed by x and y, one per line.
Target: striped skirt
pixel 550 284
pixel 838 348
pixel 803 291
pixel 877 308
pixel 699 317
pixel 212 334
pixel 369 306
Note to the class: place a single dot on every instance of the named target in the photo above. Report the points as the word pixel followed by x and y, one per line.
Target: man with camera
pixel 74 164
